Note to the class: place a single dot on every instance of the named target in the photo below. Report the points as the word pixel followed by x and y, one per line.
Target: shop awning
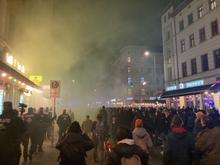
pixel 215 87
pixel 185 92
pixel 4 67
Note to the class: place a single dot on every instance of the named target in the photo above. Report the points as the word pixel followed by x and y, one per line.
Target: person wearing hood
pixel 141 136
pixel 179 146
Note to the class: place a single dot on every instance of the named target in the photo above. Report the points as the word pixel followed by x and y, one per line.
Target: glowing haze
pixel 80 40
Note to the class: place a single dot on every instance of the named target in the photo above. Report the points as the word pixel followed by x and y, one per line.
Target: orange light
pixel 10 77
pixel 23 84
pixel 19 82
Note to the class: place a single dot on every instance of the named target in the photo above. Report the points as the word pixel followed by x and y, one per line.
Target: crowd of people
pixel 181 136
pixel 28 129
pixel 184 136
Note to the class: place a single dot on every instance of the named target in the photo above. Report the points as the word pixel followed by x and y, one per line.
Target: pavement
pixel 50 154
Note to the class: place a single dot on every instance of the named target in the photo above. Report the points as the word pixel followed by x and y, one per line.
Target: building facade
pixel 191 44
pixel 14 83
pixel 141 72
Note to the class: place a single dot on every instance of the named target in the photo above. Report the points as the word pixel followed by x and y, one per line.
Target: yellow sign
pixel 36 79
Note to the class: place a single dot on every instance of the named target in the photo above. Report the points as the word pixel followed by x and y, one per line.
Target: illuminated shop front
pixel 14 86
pixel 192 94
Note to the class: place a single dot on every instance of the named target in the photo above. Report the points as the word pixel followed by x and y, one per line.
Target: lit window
pixel 212 4
pixel 129 59
pixel 182 44
pixel 200 12
pixel 129 69
pixel 191 41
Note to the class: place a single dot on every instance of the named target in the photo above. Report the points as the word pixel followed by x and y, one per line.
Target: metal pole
pixel 155 83
pixel 53 123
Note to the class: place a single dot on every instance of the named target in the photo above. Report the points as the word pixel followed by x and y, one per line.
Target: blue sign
pixel 186 85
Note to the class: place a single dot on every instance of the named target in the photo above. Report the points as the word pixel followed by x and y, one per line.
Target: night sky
pixel 84 38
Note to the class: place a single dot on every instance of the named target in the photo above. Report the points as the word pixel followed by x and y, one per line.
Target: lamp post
pixel 146 54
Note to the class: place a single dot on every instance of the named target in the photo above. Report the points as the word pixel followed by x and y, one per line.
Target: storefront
pixel 14 86
pixel 193 94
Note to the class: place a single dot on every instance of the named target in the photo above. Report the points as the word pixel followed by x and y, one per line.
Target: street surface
pixel 50 155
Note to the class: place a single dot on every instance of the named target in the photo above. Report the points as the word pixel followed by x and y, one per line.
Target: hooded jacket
pixel 178 149
pixel 142 139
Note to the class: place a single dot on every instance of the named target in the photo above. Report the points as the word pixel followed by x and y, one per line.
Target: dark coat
pixel 81 143
pixel 208 144
pixel 178 148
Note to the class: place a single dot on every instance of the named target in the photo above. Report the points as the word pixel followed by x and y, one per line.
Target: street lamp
pixel 146 54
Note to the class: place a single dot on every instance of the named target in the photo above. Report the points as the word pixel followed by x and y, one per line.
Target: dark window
pixel 169 73
pixel 204 62
pixel 181 25
pixel 184 69
pixel 217 58
pixel 200 12
pixel 190 19
pixel 191 41
pixel 202 36
pixel 182 45
pixel 165 19
pixel 193 66
pixel 212 4
pixel 214 27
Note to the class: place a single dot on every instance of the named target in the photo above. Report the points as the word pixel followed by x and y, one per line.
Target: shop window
pixel 191 41
pixel 217 58
pixel 190 19
pixel 184 69
pixel 193 66
pixel 204 62
pixel 214 27
pixel 202 35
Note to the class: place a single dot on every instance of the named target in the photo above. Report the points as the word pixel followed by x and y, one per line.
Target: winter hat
pixel 138 123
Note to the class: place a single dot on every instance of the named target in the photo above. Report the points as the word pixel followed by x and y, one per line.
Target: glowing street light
pixel 144 83
pixel 146 53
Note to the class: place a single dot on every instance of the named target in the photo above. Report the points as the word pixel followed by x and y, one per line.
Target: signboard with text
pixel 36 79
pixel 54 88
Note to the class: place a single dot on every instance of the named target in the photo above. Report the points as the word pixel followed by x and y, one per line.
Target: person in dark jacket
pixel 63 122
pixel 179 147
pixel 12 129
pixel 73 146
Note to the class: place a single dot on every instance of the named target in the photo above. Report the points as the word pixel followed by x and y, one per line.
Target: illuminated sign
pixel 36 79
pixel 14 63
pixel 194 83
pixel 171 88
pixel 185 85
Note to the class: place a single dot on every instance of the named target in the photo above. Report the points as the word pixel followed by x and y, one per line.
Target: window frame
pixel 194 66
pixel 202 62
